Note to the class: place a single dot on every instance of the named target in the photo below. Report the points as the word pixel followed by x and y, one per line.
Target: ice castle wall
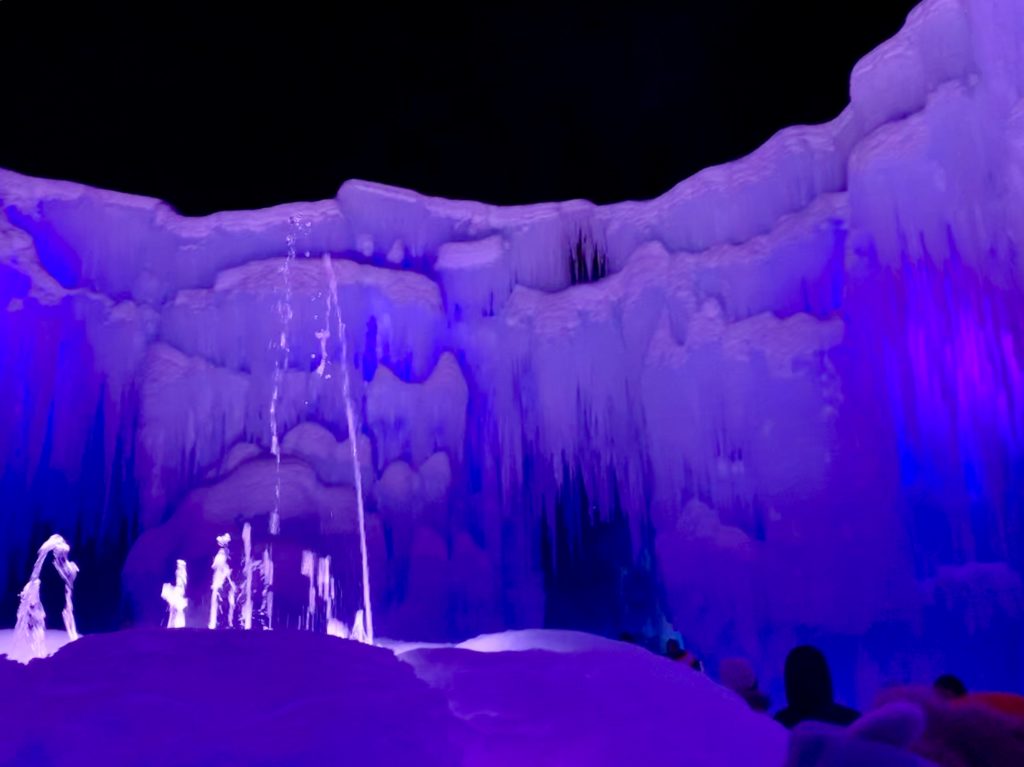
pixel 784 401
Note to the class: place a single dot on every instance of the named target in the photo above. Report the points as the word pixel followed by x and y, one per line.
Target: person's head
pixel 808 679
pixel 949 686
pixel 673 649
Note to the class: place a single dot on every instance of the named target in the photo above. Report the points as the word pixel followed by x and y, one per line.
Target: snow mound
pixel 584 700
pixel 551 640
pixel 154 698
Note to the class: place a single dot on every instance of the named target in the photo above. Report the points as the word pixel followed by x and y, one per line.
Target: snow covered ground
pixel 193 697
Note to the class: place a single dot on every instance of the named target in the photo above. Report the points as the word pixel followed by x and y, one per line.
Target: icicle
pixel 358 632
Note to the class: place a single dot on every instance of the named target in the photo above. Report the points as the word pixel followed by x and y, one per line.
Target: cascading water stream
pixel 222 580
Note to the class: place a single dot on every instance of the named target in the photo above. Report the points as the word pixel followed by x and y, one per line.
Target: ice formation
pixel 247 571
pixel 222 582
pixel 174 596
pixel 29 639
pixel 782 402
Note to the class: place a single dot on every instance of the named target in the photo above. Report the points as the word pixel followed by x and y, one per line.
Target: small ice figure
pixel 267 572
pixel 325 587
pixel 358 632
pixel 174 596
pixel 30 630
pixel 221 580
pixel 247 569
pixel 308 560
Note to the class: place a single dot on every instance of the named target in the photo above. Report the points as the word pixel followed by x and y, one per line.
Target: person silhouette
pixel 809 695
pixel 950 687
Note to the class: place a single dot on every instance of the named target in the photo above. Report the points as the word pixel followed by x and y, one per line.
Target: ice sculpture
pixel 174 596
pixel 222 582
pixel 322 591
pixel 782 402
pixel 29 639
pixel 247 571
pixel 267 573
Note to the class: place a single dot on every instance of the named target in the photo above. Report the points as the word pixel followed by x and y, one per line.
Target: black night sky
pixel 212 106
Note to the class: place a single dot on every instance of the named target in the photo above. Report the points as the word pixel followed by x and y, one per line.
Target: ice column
pixel 247 568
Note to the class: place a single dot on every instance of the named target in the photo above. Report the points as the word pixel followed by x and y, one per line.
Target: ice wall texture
pixel 782 401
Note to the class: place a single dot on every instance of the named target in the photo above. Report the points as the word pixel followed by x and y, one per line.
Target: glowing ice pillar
pixel 247 568
pixel 174 596
pixel 221 579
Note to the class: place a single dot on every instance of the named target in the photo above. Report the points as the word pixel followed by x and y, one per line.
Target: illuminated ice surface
pixel 793 408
